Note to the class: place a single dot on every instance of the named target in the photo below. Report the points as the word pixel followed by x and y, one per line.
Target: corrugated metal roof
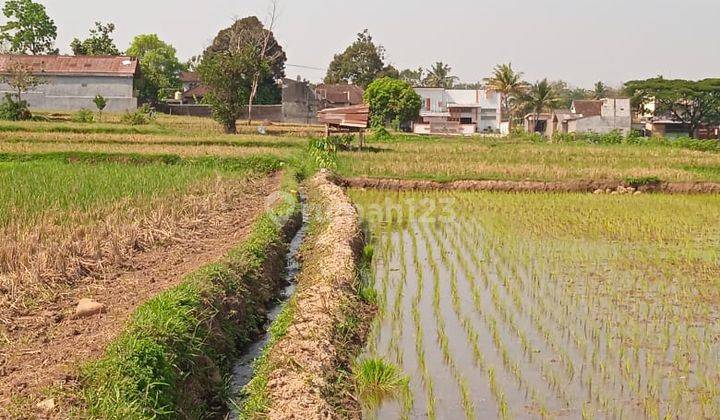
pixel 340 94
pixel 588 108
pixel 189 77
pixel 73 65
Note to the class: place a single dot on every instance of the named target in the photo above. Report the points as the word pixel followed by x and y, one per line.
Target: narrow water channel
pixel 243 370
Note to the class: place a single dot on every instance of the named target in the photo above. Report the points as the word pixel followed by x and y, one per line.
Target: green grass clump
pixel 377 380
pixel 170 360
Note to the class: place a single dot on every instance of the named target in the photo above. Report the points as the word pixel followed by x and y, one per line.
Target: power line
pixel 305 67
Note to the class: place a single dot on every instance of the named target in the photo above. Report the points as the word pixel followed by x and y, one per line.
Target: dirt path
pixel 49 346
pixel 529 186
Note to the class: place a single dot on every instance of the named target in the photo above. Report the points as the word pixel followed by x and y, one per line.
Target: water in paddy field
pixel 486 332
pixel 243 371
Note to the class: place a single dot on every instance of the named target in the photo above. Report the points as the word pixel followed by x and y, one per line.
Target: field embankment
pixel 641 185
pixel 303 372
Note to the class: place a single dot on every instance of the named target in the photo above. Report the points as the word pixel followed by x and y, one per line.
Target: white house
pixel 71 83
pixel 458 111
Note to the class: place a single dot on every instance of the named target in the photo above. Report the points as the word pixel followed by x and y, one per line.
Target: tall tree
pixel 21 79
pixel 413 77
pixel 600 90
pixel 541 97
pixel 29 29
pixel 439 76
pixel 250 36
pixel 241 65
pixel 100 41
pixel 360 63
pixel 159 64
pixel 509 84
pixel 692 103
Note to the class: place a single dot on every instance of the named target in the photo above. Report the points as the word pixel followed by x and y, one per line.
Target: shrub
pixel 144 115
pixel 392 101
pixel 13 110
pixel 84 116
pixel 381 134
pixel 377 380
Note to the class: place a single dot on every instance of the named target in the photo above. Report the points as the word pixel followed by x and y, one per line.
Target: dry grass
pixel 48 251
pixel 151 149
pixel 477 158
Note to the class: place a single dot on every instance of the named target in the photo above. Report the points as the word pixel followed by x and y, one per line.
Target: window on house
pixel 466 120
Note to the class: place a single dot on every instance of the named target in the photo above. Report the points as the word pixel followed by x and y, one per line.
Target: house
pixel 193 90
pixel 457 111
pixel 340 95
pixel 71 83
pixel 300 103
pixel 653 123
pixel 584 116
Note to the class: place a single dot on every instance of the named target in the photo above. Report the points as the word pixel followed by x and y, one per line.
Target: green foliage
pixel 641 181
pixel 360 64
pixel 413 77
pixel 28 30
pixel 14 110
pixel 100 41
pixel 226 76
pixel 541 97
pixel 381 134
pixel 391 99
pixel 84 116
pixel 695 103
pixel 439 76
pixel 142 116
pixel 509 84
pixel 377 380
pixel 159 64
pixel 100 102
pixel 238 57
pixel 324 151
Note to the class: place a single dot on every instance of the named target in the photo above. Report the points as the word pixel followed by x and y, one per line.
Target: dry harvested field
pixel 504 305
pixel 448 159
pixel 493 304
pixel 115 233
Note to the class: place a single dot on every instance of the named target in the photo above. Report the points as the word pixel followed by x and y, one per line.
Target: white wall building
pixel 615 115
pixel 458 111
pixel 71 83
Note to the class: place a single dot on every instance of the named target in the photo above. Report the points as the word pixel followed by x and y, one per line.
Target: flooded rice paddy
pixel 542 306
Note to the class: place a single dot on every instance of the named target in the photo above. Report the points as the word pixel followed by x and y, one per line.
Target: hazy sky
pixel 580 41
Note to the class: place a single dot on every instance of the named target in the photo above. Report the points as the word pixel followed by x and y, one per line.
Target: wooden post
pixel 327 131
pixel 361 137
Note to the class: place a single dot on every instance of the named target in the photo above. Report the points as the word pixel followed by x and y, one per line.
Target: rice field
pixel 446 159
pixel 547 306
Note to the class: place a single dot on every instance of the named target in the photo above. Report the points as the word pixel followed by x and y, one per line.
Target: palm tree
pixel 509 84
pixel 541 97
pixel 438 76
pixel 599 90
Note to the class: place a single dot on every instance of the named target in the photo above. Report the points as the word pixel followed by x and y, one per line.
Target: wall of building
pixel 486 117
pixel 300 105
pixel 600 125
pixel 71 93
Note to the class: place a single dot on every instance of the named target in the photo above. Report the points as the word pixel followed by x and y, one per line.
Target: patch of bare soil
pixel 46 346
pixel 307 356
pixel 528 186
